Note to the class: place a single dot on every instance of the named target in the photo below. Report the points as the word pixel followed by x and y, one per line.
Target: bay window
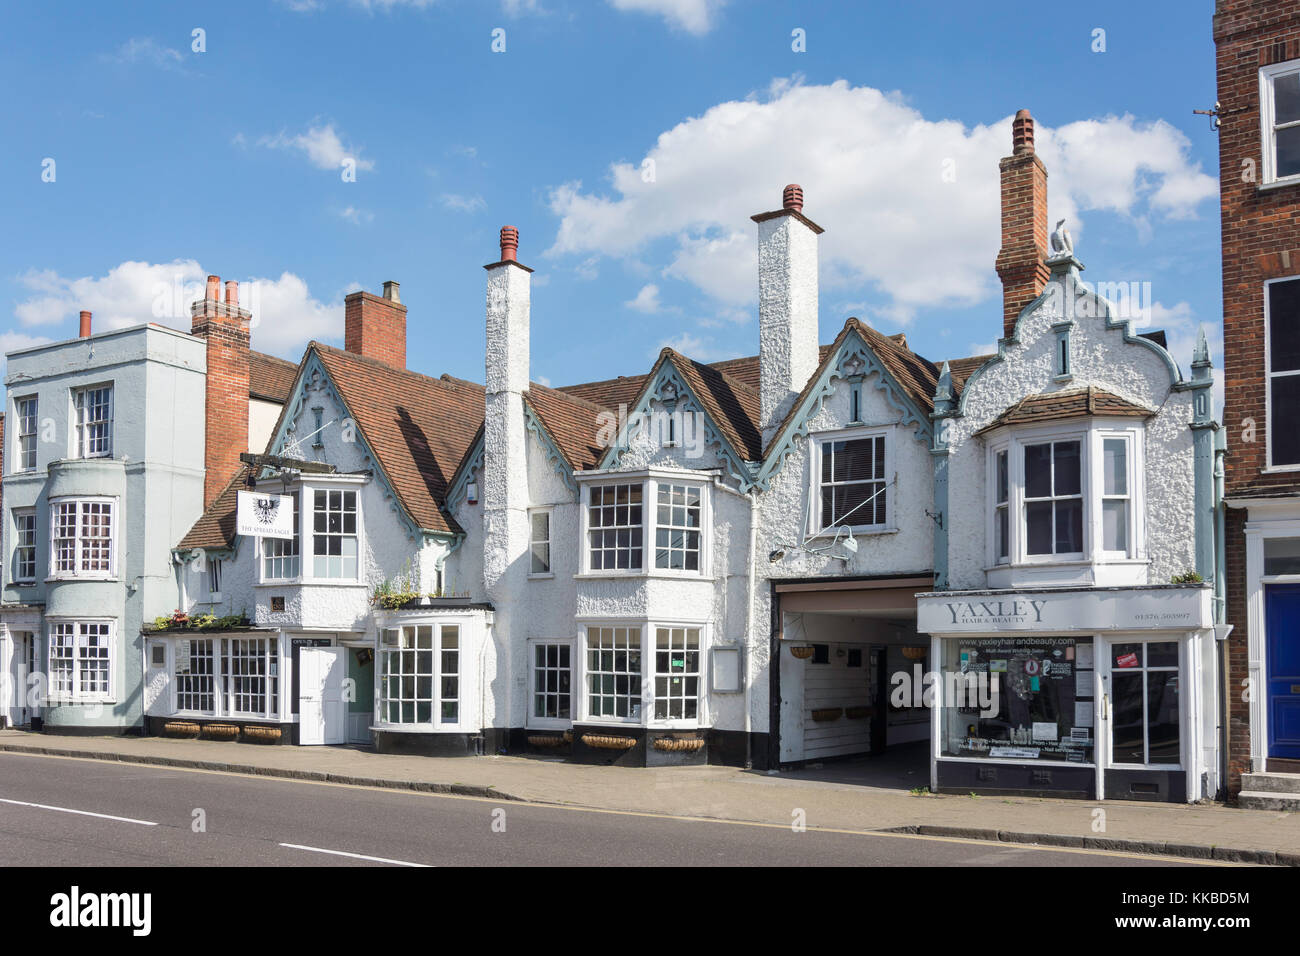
pixel 334 534
pixel 620 519
pixel 250 676
pixel 677 673
pixel 81 537
pixel 661 686
pixel 614 673
pixel 81 660
pixel 1282 358
pixel 419 675
pixel 552 676
pixel 1279 98
pixel 1002 507
pixel 280 556
pixel 1053 498
pixel 1115 495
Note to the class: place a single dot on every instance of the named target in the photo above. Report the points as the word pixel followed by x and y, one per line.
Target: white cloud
pixel 693 16
pixel 695 347
pixel 320 144
pixel 356 216
pixel 460 203
pixel 285 314
pixel 11 341
pixel 873 170
pixel 149 51
pixel 647 300
pixel 513 8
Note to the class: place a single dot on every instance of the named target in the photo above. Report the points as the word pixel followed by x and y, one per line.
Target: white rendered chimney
pixel 787 307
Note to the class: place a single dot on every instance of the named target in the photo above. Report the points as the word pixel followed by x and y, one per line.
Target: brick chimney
pixel 1021 262
pixel 85 324
pixel 226 327
pixel 375 326
pixel 787 306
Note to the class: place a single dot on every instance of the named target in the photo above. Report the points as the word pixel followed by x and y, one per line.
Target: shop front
pixel 1095 693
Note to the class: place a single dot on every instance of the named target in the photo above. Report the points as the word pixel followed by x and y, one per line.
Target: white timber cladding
pixel 1161 451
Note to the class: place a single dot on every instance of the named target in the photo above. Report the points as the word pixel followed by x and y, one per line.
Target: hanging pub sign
pixel 264 516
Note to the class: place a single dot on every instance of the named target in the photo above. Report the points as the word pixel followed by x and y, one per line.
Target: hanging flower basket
pixel 568 736
pixel 180 728
pixel 827 713
pixel 221 731
pixel 679 744
pixel 546 740
pixel 915 653
pixel 608 742
pixel 802 651
pixel 857 713
pixel 262 735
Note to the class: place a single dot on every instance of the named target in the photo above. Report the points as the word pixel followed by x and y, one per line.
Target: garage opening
pixel 841 713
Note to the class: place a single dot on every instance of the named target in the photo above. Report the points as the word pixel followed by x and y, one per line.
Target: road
pixel 134 815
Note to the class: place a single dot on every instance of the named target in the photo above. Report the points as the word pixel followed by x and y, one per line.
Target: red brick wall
pixel 375 327
pixel 226 419
pixel 1020 262
pixel 1261 240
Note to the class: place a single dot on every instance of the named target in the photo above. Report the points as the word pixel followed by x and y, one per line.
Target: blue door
pixel 1282 669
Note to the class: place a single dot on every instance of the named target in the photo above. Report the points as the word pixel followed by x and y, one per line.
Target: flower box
pixel 180 728
pixel 546 740
pixel 221 731
pixel 608 742
pixel 262 735
pixel 679 744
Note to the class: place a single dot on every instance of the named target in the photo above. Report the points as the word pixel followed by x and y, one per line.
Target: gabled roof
pixel 1070 403
pixel 573 423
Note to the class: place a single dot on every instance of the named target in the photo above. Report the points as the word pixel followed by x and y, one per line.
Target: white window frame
pixel 649 482
pixel 56 573
pixel 272 670
pixel 15 574
pixel 309 524
pixel 262 545
pixel 80 431
pixel 1269 376
pixel 1102 497
pixel 1268 75
pixel 214 573
pixel 582 672
pixel 587 672
pixel 818 442
pixel 534 542
pixel 213 676
pixel 576 690
pixel 652 546
pixel 1186 684
pixel 76 694
pixel 1091 434
pixel 1002 449
pixel 464 662
pixel 1022 511
pixel 700 674
pixel 21 452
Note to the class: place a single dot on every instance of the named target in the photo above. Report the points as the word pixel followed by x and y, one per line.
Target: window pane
pixel 1127 729
pixel 1002 476
pixel 1004 536
pixel 1162 717
pixel 1038 526
pixel 1115 466
pixel 1162 654
pixel 1114 525
pixel 1038 471
pixel 1286 98
pixel 1288 151
pixel 1284 326
pixel 1282 555
pixel 1066 454
pixel 1069 526
pixel 1285 424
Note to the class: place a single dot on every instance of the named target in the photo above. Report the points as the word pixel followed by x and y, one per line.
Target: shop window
pixel 614 673
pixel 1018 698
pixel 1145 722
pixel 1282 303
pixel 552 673
pixel 677 673
pixel 449 674
pixel 250 676
pixel 195 677
pixel 419 678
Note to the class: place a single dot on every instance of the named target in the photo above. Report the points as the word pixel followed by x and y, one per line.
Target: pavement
pixel 833 797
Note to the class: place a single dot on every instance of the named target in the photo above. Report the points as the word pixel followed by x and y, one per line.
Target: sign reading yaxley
pixel 1102 609
pixel 264 516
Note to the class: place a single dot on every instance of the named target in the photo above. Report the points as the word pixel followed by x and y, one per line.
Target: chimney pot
pixel 214 288
pixel 792 197
pixel 1022 133
pixel 391 291
pixel 232 293
pixel 85 324
pixel 509 243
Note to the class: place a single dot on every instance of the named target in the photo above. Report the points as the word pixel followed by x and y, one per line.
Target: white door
pixel 322 713
pixel 157 692
pixel 23 666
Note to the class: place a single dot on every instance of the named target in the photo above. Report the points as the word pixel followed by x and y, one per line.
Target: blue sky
pixel 170 164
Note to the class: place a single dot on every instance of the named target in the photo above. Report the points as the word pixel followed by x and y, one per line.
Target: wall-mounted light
pixel 471 492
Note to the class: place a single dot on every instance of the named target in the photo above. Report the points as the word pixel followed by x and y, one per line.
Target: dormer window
pixel 655 524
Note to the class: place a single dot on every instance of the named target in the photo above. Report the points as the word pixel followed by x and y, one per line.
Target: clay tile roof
pixel 1072 403
pixel 733 406
pixel 418 427
pixel 216 526
pixel 573 422
pixel 270 378
pixel 962 369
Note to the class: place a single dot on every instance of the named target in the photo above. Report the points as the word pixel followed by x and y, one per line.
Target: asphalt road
pixel 132 815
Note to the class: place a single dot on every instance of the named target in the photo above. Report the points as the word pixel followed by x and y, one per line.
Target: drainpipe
pixel 1221 603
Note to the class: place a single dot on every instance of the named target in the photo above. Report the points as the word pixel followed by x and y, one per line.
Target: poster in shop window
pixel 1032 702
